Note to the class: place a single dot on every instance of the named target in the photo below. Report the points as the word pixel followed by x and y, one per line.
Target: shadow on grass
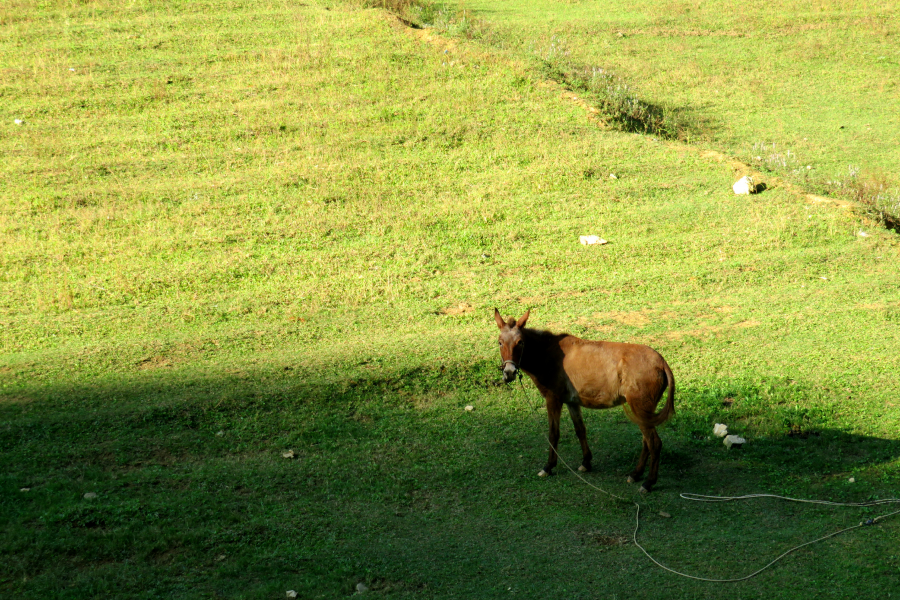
pixel 391 482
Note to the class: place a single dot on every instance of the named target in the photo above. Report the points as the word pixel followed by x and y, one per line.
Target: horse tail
pixel 648 418
pixel 669 409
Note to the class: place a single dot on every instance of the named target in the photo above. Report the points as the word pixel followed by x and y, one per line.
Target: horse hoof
pixel 631 480
pixel 644 490
pixel 583 469
pixel 543 473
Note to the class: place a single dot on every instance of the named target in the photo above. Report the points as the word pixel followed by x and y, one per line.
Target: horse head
pixel 512 344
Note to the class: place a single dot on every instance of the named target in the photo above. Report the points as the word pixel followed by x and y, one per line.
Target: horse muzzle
pixel 509 371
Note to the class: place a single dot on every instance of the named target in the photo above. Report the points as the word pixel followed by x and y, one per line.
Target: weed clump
pixel 400 7
pixel 615 98
pixel 420 14
pixel 876 194
pixel 410 12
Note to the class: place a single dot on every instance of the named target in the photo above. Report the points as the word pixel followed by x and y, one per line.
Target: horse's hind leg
pixel 638 471
pixel 651 439
pixel 581 432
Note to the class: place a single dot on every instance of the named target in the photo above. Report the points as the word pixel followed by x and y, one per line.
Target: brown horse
pixel 575 372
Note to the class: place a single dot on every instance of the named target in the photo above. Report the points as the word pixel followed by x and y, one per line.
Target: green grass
pixel 783 86
pixel 238 229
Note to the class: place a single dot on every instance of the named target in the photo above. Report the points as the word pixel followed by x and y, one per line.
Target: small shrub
pixel 878 198
pixel 876 193
pixel 617 100
pixel 399 7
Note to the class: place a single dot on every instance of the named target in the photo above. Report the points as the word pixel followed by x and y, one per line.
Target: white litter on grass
pixel 291 594
pixel 590 240
pixel 18 121
pixel 90 496
pixel 288 454
pixel 734 441
pixel 862 233
pixel 612 176
pixel 73 70
pixel 720 430
pixel 25 490
pixel 470 408
pixel 743 186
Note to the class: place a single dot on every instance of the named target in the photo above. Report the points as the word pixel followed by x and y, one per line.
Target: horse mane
pixel 543 333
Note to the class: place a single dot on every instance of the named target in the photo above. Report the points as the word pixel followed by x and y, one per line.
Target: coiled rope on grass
pixel 705 498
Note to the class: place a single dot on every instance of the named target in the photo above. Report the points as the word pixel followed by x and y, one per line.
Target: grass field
pixel 231 230
pixel 782 85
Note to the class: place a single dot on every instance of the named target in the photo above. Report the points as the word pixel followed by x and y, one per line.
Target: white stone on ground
pixel 743 186
pixel 590 240
pixel 734 441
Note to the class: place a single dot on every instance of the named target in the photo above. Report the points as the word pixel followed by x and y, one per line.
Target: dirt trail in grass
pixel 739 168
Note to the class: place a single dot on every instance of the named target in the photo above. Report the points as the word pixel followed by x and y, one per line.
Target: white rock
pixel 743 186
pixel 734 441
pixel 361 588
pixel 18 121
pixel 470 408
pixel 852 480
pixel 288 454
pixel 90 496
pixel 613 176
pixel 291 594
pixel 720 430
pixel 589 240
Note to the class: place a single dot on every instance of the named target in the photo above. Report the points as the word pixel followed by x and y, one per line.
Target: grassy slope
pixel 818 80
pixel 292 227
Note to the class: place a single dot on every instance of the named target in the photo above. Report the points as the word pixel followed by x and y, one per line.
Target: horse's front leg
pixel 554 409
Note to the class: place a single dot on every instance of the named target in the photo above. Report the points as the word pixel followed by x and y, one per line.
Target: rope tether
pixel 703 498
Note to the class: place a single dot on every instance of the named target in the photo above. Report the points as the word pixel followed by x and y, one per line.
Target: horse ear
pixel 521 322
pixel 499 319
